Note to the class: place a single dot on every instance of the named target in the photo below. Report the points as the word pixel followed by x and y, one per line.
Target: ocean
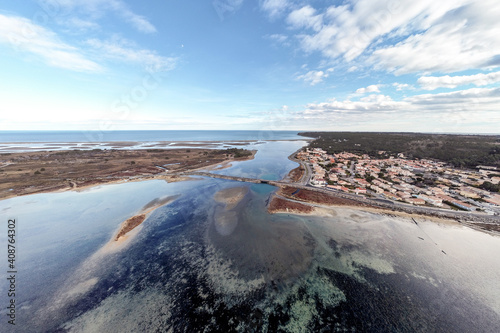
pixel 144 136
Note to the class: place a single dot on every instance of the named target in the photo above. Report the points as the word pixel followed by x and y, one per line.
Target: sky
pixel 354 65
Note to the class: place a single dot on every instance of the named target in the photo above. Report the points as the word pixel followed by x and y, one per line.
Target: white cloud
pixel 461 38
pixel 372 103
pixel 348 30
pixel 274 8
pixel 226 6
pixel 314 77
pixel 469 101
pixel 402 86
pixel 23 35
pixel 370 89
pixel 97 8
pixel 305 17
pixel 81 25
pixel 434 82
pixel 123 50
pixel 278 38
pixel 404 36
pixel 472 110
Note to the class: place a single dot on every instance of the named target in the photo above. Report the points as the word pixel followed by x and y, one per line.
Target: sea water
pixel 144 136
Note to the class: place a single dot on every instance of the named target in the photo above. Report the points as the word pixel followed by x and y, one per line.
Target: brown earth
pixel 44 171
pixel 279 205
pixel 134 221
pixel 319 198
pixel 130 224
pixel 296 174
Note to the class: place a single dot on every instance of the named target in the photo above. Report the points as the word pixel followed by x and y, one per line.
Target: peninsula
pixel 33 172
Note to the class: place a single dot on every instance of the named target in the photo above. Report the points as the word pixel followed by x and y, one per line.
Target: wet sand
pixel 231 196
pixel 134 221
pixel 226 217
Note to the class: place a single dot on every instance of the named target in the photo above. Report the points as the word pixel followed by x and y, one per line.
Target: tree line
pixel 462 151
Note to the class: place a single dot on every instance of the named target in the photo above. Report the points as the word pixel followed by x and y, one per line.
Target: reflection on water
pixel 271 161
pixel 348 270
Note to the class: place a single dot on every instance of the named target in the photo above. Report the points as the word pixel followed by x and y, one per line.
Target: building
pixel 415 201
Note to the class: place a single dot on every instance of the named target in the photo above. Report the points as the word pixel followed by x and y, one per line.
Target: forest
pixel 462 151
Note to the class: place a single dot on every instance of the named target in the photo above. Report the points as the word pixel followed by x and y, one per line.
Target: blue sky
pixel 366 65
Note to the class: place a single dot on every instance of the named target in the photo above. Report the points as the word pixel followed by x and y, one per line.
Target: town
pixel 419 182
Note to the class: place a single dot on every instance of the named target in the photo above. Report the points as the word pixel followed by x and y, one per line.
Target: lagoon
pixel 346 270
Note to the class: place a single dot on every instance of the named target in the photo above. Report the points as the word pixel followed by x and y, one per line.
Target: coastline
pixel 56 171
pixel 282 204
pixel 316 201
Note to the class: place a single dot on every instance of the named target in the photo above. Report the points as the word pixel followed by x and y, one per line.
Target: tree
pixel 488 186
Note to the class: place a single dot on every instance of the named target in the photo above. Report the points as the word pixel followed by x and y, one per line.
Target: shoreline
pixel 133 222
pixel 282 204
pixel 103 167
pixel 46 146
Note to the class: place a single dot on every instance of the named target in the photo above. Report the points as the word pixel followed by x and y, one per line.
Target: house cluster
pixel 418 182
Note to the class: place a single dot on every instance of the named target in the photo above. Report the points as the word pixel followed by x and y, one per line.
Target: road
pixel 306 177
pixel 379 202
pixel 385 204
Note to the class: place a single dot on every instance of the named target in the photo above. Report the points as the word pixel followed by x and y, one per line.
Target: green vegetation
pixel 490 187
pixel 238 152
pixel 457 150
pixel 369 178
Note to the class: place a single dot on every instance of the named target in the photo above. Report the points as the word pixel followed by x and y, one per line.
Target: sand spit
pixel 131 223
pixel 231 196
pixel 226 217
pixel 87 275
